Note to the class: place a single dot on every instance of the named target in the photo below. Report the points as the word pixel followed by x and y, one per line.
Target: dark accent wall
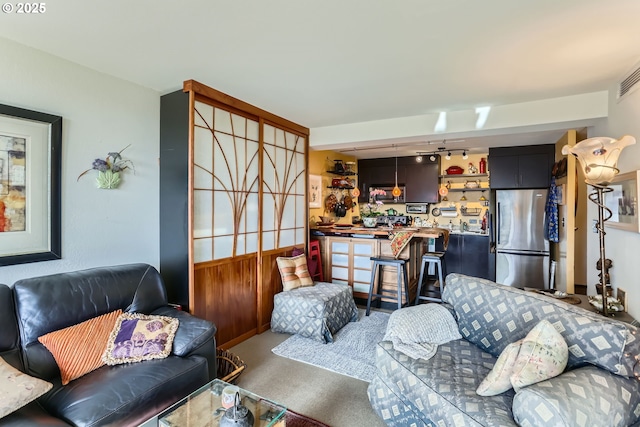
pixel 174 192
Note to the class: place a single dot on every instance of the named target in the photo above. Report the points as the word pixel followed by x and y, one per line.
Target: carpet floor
pixel 352 353
pixel 333 399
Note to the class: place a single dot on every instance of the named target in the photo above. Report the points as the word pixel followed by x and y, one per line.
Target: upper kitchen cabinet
pixel 521 167
pixel 419 179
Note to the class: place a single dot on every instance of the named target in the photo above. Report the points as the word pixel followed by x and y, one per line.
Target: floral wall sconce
pixel 109 169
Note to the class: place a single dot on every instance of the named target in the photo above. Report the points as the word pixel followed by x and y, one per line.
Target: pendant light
pixel 396 192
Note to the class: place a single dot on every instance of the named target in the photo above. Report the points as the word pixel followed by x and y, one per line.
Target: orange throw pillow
pixel 78 349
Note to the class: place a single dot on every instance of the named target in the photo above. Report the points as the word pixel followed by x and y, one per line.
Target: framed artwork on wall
pixel 30 170
pixel 315 191
pixel 623 202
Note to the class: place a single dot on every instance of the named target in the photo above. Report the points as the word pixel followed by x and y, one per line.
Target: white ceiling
pixel 332 62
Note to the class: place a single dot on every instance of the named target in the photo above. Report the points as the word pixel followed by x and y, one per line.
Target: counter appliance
pixel 522 253
pixel 396 220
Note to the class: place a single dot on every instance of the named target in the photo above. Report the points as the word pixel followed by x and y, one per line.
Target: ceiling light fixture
pixel 448 156
pixel 419 159
pixel 432 158
pixel 464 155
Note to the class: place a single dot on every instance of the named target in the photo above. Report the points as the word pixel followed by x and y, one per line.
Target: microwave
pixel 388 197
pixel 416 208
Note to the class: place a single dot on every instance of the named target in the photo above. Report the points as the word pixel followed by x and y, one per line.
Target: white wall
pixel 100 114
pixel 622 247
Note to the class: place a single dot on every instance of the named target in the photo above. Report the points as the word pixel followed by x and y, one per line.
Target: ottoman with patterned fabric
pixel 316 312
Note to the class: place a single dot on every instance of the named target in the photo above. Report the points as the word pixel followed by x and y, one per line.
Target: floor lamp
pixel 598 158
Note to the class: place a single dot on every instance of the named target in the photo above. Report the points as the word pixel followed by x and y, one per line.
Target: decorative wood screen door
pixel 248 193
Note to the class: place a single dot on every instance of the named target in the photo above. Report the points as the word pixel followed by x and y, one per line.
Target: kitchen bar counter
pixel 346 253
pixel 346 256
pixel 432 233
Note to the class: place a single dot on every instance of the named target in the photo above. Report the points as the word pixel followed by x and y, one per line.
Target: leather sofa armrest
pixel 194 336
pixel 583 396
pixel 192 332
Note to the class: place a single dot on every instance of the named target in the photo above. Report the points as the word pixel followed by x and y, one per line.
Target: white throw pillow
pixel 17 388
pixel 499 379
pixel 541 355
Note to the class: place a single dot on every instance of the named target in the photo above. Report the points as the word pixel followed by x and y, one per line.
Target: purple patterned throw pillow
pixel 137 337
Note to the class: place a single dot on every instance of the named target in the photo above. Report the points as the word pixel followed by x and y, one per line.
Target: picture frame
pixel 623 202
pixel 315 191
pixel 30 185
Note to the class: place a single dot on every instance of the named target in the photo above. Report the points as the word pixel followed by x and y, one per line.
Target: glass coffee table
pixel 203 408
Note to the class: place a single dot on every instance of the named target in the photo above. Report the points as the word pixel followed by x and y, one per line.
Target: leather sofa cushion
pixel 192 332
pixel 126 394
pixel 49 303
pixel 31 415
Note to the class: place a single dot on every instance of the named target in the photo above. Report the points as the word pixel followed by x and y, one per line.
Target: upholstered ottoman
pixel 316 312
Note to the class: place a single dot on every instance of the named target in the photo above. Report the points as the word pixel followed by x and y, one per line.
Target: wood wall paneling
pixel 225 294
pixel 270 285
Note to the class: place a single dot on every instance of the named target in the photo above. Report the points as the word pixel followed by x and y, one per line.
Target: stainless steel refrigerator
pixel 522 253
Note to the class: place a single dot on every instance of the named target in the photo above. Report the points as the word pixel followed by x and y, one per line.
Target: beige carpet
pixel 334 399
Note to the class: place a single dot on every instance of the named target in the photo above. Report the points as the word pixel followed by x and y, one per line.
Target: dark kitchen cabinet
pixel 420 179
pixel 521 167
pixel 468 254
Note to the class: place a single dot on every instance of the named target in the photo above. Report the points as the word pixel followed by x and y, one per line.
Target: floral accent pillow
pixel 18 389
pixel 137 337
pixel 498 380
pixel 294 272
pixel 541 355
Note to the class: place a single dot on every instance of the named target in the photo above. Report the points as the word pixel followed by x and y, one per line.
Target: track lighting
pixel 432 158
pixel 464 155
pixel 448 156
pixel 419 159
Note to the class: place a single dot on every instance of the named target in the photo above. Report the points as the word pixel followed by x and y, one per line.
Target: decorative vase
pixel 370 221
pixel 108 180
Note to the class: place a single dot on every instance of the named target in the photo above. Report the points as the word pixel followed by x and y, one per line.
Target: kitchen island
pixel 346 254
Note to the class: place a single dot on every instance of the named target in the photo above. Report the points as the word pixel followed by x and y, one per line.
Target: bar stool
pixel 436 258
pixel 314 254
pixel 378 263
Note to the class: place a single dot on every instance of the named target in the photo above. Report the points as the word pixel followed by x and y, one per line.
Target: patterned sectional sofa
pixel 599 387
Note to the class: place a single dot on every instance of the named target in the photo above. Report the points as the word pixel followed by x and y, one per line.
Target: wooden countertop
pixel 384 231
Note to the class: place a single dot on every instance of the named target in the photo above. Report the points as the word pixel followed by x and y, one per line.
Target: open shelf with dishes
pixel 465 175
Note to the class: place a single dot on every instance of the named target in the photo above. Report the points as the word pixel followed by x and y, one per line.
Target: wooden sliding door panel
pixel 225 184
pixel 225 294
pixel 245 204
pixel 284 184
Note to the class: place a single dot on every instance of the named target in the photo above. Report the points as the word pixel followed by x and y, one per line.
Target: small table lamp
pixel 598 158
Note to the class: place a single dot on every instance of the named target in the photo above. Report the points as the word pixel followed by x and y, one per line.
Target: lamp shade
pixel 599 157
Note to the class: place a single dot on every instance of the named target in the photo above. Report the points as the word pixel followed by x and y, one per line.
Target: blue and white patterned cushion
pixel 441 390
pixel 392 409
pixel 492 316
pixel 583 397
pixel 315 312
